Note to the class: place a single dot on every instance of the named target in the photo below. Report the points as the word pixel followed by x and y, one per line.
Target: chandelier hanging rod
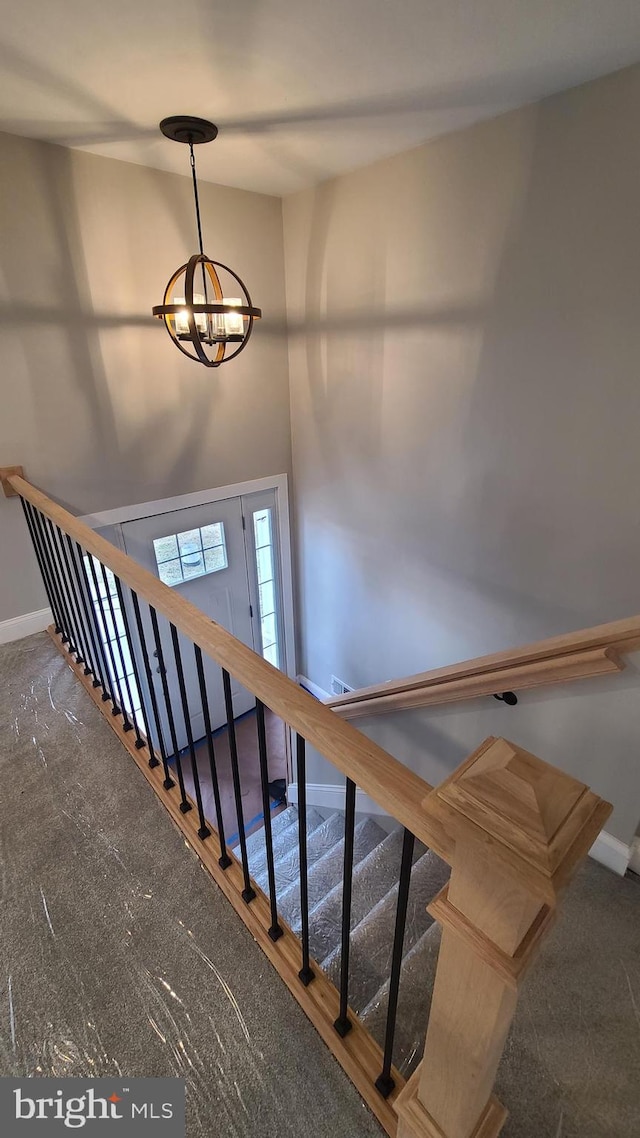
pixel 192 159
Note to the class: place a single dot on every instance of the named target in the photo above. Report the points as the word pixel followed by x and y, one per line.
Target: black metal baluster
pixel 224 860
pixel 385 1083
pixel 306 973
pixel 129 713
pixel 140 742
pixel 343 1024
pixel 44 573
pixel 43 526
pixel 204 831
pixel 87 628
pixel 248 893
pixel 74 641
pixel 84 591
pixel 94 630
pixel 108 688
pixel 119 707
pixel 153 762
pixel 77 612
pixel 77 616
pixel 275 931
pixel 127 722
pixel 40 523
pixel 45 568
pixel 47 539
pixel 112 671
pixel 185 805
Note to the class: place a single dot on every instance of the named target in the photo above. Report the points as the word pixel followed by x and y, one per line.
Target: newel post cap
pixel 535 816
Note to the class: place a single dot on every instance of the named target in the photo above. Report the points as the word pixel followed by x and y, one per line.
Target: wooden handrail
pixel 556 660
pixel 382 777
pixel 557 670
pixel 512 827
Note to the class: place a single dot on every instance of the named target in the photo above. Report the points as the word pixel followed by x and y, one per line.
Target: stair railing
pixel 512 827
pixel 585 654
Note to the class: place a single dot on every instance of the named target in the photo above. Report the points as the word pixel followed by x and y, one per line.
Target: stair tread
pixel 284 839
pixel 321 837
pixel 371 942
pixel 325 873
pixel 278 824
pixel 372 879
pixel 417 980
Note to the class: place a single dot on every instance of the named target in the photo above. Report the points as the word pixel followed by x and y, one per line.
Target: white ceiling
pixel 301 89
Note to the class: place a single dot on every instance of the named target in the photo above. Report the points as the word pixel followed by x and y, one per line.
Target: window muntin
pixel 193 553
pixel 265 564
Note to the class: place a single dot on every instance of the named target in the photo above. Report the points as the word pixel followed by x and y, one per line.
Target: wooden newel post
pixel 520 827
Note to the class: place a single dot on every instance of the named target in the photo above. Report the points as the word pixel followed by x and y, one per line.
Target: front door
pixel 200 552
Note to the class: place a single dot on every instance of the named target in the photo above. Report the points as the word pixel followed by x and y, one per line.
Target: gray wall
pixel 97 405
pixel 464 349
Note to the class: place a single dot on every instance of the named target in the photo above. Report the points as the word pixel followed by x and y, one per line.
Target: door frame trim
pixel 278 482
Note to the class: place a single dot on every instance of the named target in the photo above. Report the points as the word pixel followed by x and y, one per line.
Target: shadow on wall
pixel 73 398
pixel 553 417
pixel 101 406
pixel 472 467
pixel 102 410
pixel 54 266
pixel 53 84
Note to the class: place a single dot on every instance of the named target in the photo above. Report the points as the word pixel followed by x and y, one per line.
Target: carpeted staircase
pixel 376 867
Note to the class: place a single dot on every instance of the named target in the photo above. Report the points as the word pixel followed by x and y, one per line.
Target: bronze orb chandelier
pixel 202 321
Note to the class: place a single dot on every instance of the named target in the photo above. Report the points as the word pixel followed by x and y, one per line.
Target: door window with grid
pixel 192 553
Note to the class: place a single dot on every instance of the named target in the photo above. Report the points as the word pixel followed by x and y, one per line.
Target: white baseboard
pixel 19 626
pixel 315 689
pixel 611 852
pixel 331 797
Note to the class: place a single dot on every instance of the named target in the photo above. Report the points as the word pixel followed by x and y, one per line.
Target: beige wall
pixel 465 340
pixel 96 404
pixel 465 397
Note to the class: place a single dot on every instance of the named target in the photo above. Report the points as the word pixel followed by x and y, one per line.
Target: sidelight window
pixel 265 562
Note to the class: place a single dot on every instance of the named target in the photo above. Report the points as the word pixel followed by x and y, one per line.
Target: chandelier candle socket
pixel 204 323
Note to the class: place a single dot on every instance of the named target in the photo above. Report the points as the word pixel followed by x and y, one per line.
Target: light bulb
pixel 233 322
pixel 182 323
pixel 182 317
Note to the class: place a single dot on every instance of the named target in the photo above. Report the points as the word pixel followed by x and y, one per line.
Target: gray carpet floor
pixel 118 954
